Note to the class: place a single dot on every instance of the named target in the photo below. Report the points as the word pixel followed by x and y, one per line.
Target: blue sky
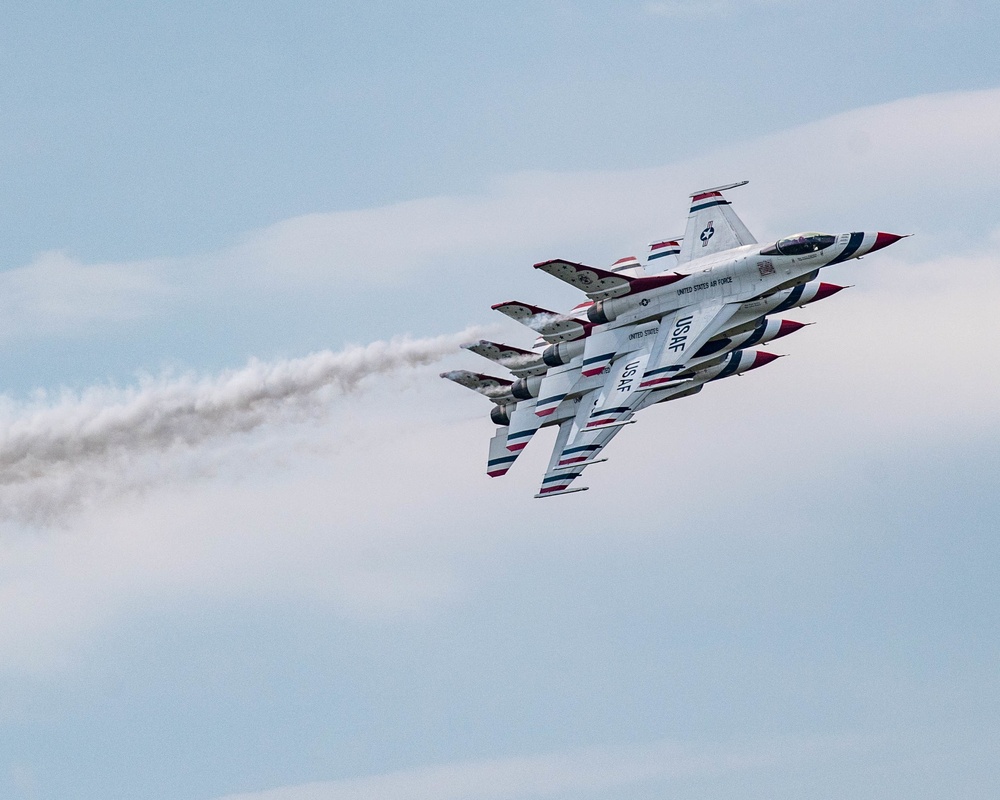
pixel 782 588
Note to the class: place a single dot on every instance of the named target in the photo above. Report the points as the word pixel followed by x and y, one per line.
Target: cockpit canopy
pixel 800 244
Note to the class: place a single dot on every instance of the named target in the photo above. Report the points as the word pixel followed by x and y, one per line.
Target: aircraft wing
pixel 585 433
pixel 664 248
pixel 633 381
pixel 557 481
pixel 681 335
pixel 583 373
pixel 496 389
pixel 712 225
pixel 556 386
pixel 524 422
pixel 571 457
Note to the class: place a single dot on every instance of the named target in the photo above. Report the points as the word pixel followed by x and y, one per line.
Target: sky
pixel 248 550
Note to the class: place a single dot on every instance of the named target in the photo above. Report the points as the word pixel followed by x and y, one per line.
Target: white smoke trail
pixel 94 438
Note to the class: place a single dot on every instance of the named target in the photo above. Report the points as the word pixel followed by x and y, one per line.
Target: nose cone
pixel 789 326
pixel 824 290
pixel 884 240
pixel 760 358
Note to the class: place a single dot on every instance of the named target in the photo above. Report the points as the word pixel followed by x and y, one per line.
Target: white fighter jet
pixel 641 339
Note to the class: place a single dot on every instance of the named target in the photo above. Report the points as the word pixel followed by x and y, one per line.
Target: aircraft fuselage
pixel 737 275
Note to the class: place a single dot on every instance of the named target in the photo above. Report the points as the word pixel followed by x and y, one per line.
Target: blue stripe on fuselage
pixel 731 367
pixel 757 334
pixel 792 299
pixel 851 249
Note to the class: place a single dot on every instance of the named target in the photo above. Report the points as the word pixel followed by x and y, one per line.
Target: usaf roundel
pixel 707 234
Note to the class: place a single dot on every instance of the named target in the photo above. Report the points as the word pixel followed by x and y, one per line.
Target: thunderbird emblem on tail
pixel 641 339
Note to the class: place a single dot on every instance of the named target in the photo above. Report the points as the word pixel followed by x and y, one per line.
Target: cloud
pixel 341 515
pixel 92 442
pixel 58 294
pixel 703 9
pixel 361 514
pixel 588 770
pixel 370 509
pixel 919 164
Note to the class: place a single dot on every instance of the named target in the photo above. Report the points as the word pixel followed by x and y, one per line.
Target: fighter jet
pixel 641 339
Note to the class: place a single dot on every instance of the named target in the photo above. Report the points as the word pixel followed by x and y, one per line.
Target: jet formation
pixel 643 337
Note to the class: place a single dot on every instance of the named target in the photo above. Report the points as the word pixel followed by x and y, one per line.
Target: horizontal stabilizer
pixel 600 284
pixel 523 363
pixel 552 327
pixel 496 389
pixel 668 247
pixel 628 266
